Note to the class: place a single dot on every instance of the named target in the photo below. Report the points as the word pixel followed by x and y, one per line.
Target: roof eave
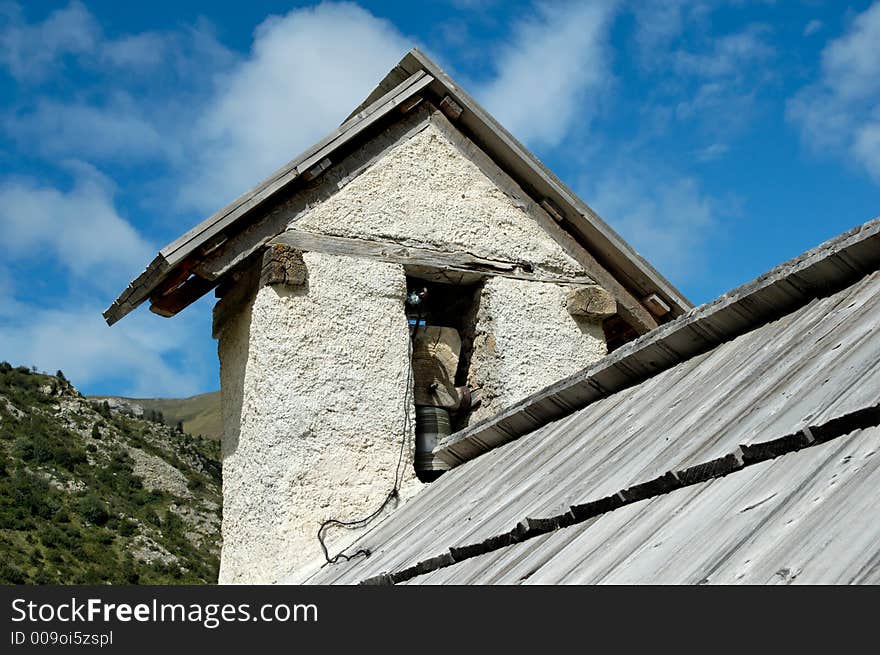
pixel 819 272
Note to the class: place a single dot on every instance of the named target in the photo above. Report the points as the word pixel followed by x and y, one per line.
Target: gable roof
pixel 733 461
pixel 173 274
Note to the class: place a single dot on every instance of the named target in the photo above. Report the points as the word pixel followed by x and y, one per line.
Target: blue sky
pixel 720 137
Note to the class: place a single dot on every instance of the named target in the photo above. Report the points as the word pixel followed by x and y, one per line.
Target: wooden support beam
pixel 237 291
pixel 395 253
pixel 451 108
pixel 172 302
pixel 656 305
pixel 316 170
pixel 408 105
pixel 550 207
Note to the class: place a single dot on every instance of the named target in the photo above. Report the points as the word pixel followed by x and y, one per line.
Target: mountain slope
pixel 92 495
pixel 199 414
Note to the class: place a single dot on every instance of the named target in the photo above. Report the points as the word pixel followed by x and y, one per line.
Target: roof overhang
pixel 171 280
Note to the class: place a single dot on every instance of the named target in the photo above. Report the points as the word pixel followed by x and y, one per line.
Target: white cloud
pixel 712 81
pixel 56 323
pixel 80 228
pixel 551 72
pixel 473 5
pixel 306 71
pixel 137 98
pixel 666 217
pixel 29 51
pixel 76 340
pixel 712 152
pixel 113 131
pixel 659 23
pixel 33 51
pixel 850 65
pixel 663 26
pixel 728 56
pixel 812 27
pixel 137 51
pixel 866 147
pixel 841 109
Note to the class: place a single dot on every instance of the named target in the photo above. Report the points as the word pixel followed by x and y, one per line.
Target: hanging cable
pixel 395 489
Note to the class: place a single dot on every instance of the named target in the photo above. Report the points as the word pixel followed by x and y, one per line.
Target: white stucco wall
pixel 426 192
pixel 319 374
pixel 526 340
pixel 313 378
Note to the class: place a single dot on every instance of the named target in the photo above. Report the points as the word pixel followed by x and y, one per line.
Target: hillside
pixel 90 494
pixel 199 414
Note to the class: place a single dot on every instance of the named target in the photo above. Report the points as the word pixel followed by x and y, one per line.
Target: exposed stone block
pixel 591 302
pixel 283 265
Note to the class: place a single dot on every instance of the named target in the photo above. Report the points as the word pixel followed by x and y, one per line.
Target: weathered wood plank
pixel 138 291
pixel 395 253
pixel 173 302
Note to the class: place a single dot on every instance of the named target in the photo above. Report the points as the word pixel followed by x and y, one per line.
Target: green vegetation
pixel 73 509
pixel 198 414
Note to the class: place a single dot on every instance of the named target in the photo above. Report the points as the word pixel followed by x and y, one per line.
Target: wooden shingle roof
pixel 739 443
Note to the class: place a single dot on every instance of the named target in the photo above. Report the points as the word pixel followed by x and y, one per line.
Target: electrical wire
pixel 395 489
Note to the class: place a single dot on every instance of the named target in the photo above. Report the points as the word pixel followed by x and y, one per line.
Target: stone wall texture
pixel 525 340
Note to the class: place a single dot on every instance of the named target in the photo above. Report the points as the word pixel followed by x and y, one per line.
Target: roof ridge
pixel 174 274
pixel 816 273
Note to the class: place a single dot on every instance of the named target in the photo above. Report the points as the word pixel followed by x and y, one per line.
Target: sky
pixel 718 137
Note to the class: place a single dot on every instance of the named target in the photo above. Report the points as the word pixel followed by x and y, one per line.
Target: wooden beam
pixel 451 108
pixel 172 302
pixel 395 253
pixel 656 305
pixel 237 291
pixel 138 291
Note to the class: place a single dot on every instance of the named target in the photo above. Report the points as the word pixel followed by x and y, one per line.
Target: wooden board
pixel 809 517
pixel 395 253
